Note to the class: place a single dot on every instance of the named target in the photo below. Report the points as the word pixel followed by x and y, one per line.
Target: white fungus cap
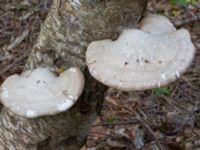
pixel 39 92
pixel 139 59
pixel 156 24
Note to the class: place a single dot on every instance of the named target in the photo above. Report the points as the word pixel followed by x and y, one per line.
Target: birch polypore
pixel 157 24
pixel 149 57
pixel 39 92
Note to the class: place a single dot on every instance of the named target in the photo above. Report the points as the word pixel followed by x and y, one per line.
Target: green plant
pixel 183 3
pixel 110 120
pixel 162 91
pixel 21 7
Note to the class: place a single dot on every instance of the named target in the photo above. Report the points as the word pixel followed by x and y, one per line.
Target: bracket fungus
pixel 156 24
pixel 39 92
pixel 149 57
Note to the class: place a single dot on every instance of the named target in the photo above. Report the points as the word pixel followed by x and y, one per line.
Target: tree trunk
pixel 68 29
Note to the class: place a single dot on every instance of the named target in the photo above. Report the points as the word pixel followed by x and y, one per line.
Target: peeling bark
pixel 69 27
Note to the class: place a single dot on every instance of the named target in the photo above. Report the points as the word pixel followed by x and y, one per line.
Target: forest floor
pixel 165 118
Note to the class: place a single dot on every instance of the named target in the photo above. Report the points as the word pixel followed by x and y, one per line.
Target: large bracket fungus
pixel 149 57
pixel 39 92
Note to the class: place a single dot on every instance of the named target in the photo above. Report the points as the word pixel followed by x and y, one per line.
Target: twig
pixel 6 13
pixel 143 123
pixel 175 103
pixel 170 102
pixel 100 133
pixel 120 123
pixel 26 16
pixel 18 40
pixel 14 63
pixel 141 112
pixel 188 82
pixel 146 126
pixel 45 4
pixel 183 22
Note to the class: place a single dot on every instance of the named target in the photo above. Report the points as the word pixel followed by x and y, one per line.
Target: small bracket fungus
pixel 39 92
pixel 149 57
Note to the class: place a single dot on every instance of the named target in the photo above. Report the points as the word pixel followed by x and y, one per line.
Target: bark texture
pixel 69 27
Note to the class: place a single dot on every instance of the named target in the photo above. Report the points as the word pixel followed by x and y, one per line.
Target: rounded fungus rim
pixel 140 60
pixel 39 92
